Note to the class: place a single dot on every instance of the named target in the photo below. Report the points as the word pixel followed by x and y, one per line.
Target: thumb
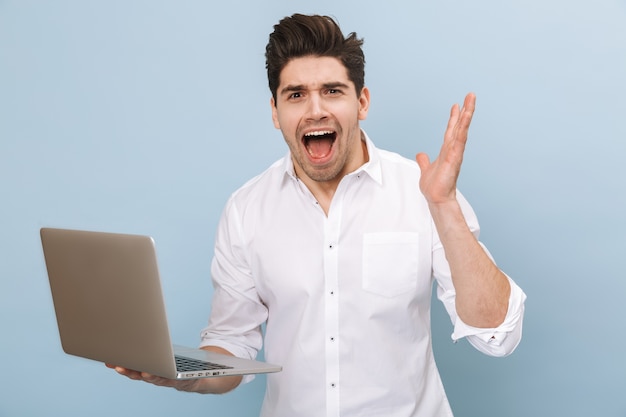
pixel 422 160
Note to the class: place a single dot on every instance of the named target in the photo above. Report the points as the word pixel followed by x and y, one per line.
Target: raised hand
pixel 439 178
pixel 482 290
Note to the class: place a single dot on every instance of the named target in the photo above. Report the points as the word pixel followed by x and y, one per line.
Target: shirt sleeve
pixel 499 341
pixel 237 312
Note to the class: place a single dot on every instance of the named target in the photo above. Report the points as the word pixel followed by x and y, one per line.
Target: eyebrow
pixel 301 87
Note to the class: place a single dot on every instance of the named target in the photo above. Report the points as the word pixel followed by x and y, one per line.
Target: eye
pixel 294 96
pixel 334 92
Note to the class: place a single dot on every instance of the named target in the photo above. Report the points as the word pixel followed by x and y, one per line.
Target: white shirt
pixel 345 297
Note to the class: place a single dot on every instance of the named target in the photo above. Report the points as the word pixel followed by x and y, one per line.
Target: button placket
pixel 331 268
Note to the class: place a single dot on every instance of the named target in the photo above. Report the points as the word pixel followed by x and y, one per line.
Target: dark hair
pixel 300 35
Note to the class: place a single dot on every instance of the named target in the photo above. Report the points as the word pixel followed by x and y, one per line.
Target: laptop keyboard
pixel 190 365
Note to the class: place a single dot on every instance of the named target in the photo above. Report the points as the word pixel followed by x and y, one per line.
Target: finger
pixel 126 372
pixel 153 379
pixel 461 129
pixel 467 112
pixel 452 123
pixel 470 102
pixel 162 382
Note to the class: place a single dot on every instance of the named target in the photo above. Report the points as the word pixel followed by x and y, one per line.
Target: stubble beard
pixel 329 172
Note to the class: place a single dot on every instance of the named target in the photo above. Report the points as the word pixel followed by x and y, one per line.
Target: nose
pixel 316 109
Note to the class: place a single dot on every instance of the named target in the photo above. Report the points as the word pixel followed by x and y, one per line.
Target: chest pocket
pixel 390 262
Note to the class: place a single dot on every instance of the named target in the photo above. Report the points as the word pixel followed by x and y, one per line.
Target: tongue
pixel 319 148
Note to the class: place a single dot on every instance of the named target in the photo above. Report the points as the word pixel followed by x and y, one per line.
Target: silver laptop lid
pixel 108 300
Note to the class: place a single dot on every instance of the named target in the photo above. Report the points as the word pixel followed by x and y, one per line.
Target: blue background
pixel 143 116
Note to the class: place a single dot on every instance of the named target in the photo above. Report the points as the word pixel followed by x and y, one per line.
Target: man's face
pixel 318 111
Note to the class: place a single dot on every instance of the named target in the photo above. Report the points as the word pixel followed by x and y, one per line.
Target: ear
pixel 274 113
pixel 364 103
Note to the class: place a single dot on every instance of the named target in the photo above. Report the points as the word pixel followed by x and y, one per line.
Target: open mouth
pixel 319 144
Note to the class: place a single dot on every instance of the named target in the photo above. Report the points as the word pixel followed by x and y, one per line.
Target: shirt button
pixel 333 385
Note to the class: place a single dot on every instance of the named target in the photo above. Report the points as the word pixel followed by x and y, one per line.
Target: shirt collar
pixel 372 167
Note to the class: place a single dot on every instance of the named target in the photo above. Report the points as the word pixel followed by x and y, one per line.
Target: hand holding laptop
pixel 201 385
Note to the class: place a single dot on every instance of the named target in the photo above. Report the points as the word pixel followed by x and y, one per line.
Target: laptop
pixel 109 307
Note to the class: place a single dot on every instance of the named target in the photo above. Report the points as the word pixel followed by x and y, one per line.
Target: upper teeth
pixel 321 133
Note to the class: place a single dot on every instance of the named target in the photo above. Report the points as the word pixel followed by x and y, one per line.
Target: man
pixel 335 248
